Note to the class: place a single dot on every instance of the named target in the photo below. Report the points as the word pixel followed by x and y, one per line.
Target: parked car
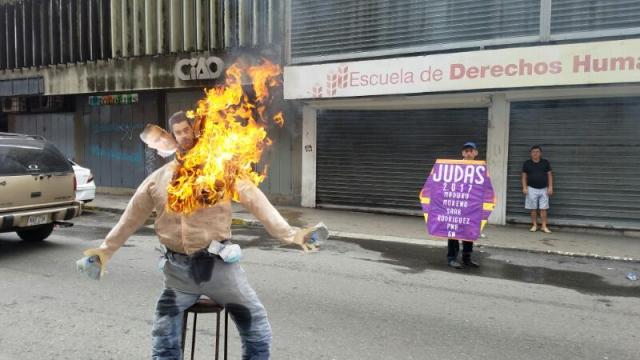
pixel 86 188
pixel 37 187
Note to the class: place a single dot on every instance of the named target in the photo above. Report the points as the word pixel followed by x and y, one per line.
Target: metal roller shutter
pixel 348 26
pixel 58 128
pixel 594 149
pixel 379 159
pixel 593 15
pixel 182 101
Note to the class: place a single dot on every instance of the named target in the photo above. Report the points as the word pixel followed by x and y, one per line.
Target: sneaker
pixel 546 230
pixel 471 263
pixel 455 264
pixel 533 228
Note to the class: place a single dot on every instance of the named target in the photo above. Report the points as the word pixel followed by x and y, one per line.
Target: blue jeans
pixel 188 277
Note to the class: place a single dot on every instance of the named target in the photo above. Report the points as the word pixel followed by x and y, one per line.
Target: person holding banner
pixel 469 152
pixel 457 199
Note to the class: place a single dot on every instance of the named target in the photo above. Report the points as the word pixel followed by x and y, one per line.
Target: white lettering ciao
pixel 200 68
pixel 460 173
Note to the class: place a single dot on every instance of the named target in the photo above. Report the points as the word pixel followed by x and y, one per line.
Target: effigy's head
pixel 227 137
pixel 182 131
pixel 157 138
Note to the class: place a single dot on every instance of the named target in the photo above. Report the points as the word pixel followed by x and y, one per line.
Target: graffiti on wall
pixel 126 131
pixel 134 158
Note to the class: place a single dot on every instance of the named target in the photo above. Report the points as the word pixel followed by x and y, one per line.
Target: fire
pixel 230 125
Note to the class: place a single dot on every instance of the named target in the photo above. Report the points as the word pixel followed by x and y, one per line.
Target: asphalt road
pixel 354 299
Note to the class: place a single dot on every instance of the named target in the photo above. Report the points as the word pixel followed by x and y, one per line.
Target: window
pixel 31 157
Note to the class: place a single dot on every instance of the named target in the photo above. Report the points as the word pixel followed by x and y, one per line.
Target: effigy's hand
pixel 93 264
pixel 231 253
pixel 309 239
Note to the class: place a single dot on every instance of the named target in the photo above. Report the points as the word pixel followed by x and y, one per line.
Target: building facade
pixel 89 74
pixel 386 87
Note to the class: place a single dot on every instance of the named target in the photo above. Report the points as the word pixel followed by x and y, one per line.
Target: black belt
pixel 197 254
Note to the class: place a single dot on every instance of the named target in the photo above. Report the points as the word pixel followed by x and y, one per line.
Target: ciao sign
pixel 200 68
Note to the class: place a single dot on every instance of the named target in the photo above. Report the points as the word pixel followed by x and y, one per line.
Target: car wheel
pixel 35 234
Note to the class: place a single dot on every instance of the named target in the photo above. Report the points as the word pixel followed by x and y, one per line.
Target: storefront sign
pixel 120 99
pixel 457 199
pixel 575 64
pixel 200 68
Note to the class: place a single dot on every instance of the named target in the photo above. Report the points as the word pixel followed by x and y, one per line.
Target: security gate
pixel 380 159
pixel 594 149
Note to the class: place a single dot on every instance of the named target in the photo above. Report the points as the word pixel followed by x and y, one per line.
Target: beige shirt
pixel 188 234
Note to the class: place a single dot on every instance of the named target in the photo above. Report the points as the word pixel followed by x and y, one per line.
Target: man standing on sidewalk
pixel 537 186
pixel 199 259
pixel 469 152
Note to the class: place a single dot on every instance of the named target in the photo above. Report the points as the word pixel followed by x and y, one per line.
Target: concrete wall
pixel 283 182
pixel 498 154
pixel 125 74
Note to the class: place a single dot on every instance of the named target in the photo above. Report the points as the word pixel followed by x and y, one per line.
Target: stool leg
pixel 226 332
pixel 217 335
pixel 185 318
pixel 193 336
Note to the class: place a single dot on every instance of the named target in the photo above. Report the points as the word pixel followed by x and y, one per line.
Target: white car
pixel 86 187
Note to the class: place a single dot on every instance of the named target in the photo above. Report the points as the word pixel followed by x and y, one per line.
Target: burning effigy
pixel 230 125
pixel 217 149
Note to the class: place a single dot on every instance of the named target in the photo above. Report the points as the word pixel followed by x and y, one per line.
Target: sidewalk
pixel 409 229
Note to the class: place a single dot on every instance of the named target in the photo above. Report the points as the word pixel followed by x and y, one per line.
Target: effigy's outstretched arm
pixel 254 200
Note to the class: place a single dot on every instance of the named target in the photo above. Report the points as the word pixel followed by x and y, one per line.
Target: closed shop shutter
pixel 348 26
pixel 182 101
pixel 594 149
pixel 111 140
pixel 58 128
pixel 380 159
pixel 579 15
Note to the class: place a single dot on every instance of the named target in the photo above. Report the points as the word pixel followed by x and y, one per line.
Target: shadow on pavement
pixel 11 245
pixel 414 259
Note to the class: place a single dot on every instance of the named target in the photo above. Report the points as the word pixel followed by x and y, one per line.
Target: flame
pixel 230 126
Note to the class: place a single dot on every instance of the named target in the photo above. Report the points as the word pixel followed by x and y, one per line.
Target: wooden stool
pixel 205 306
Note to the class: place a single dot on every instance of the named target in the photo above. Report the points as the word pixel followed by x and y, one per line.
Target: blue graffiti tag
pixel 109 128
pixel 134 158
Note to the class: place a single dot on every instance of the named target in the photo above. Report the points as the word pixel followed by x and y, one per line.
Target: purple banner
pixel 457 199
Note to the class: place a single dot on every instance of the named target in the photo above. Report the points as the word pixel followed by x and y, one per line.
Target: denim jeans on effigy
pixel 227 285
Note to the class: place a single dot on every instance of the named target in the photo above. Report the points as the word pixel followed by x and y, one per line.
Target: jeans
pixel 185 279
pixel 453 248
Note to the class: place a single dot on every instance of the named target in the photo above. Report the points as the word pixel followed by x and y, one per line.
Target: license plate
pixel 37 220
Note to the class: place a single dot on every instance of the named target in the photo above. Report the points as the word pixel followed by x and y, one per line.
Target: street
pixel 354 299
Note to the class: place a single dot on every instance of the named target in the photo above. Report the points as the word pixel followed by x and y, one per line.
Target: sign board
pixel 199 68
pixel 119 99
pixel 457 199
pixel 553 65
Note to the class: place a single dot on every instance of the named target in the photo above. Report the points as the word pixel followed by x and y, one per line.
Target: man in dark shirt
pixel 537 186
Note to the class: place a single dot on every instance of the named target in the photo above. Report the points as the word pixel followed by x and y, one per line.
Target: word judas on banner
pixel 457 199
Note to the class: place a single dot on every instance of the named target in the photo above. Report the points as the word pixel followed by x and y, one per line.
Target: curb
pixel 103 209
pixel 442 243
pixel 424 242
